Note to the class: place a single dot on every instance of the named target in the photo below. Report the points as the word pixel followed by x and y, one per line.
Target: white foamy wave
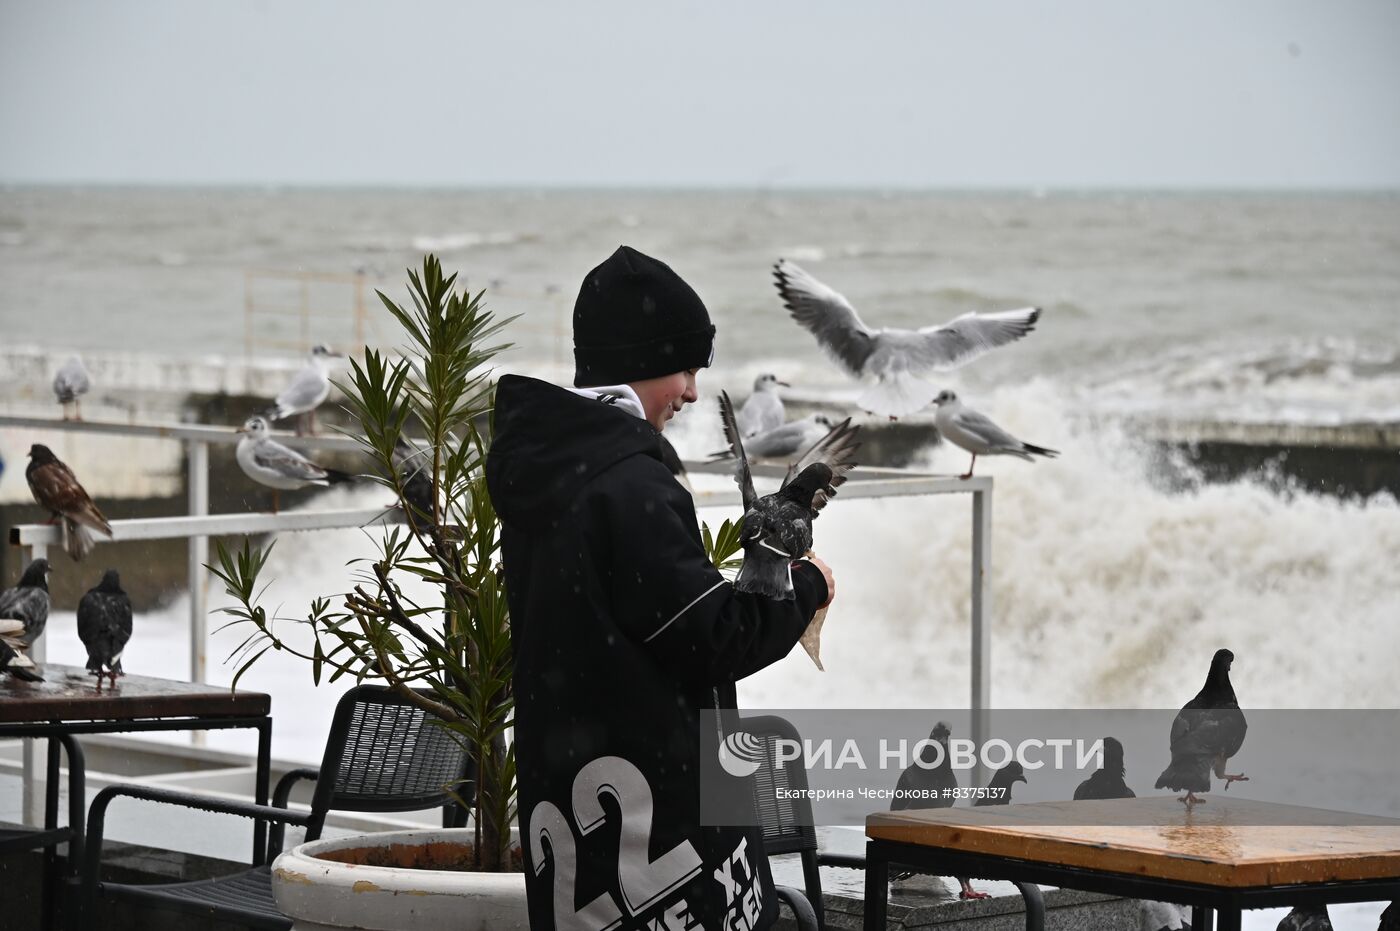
pixel 458 242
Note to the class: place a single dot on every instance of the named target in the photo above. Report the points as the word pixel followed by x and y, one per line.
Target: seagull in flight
pixel 894 357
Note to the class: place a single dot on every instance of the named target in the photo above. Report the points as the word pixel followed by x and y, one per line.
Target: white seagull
pixel 70 384
pixel 892 356
pixel 310 387
pixel 269 463
pixel 782 442
pixel 966 428
pixel 764 409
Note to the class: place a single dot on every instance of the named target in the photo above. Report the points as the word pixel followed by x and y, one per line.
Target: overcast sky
pixel 1278 93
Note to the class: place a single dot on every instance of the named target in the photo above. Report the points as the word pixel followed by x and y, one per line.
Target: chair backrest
pixel 786 816
pixel 386 754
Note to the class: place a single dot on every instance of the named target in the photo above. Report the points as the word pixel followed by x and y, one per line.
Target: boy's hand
pixel 826 574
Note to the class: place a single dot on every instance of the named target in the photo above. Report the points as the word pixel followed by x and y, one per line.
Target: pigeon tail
pixel 766 573
pixel 78 541
pixel 898 395
pixel 1190 775
pixel 17 664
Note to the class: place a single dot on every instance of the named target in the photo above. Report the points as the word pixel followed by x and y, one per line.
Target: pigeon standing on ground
pixel 1106 782
pixel 998 793
pixel 104 626
pixel 935 785
pixel 1306 918
pixel 966 428
pixel 777 528
pixel 310 387
pixel 280 468
pixel 894 357
pixel 24 612
pixel 1207 731
pixel 56 489
pixel 70 384
pixel 764 409
pixel 783 441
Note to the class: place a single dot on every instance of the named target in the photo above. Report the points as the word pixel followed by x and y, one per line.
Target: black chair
pixel 383 754
pixel 20 838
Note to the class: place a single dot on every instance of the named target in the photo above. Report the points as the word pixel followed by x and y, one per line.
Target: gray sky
pixel 1282 93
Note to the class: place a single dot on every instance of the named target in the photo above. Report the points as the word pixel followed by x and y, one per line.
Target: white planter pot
pixel 316 886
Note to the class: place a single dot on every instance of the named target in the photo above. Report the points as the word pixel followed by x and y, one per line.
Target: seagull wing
pixel 743 477
pixel 981 427
pixel 969 336
pixel 827 315
pixel 273 455
pixel 308 389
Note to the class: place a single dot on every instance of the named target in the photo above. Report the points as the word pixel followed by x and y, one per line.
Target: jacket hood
pixel 548 442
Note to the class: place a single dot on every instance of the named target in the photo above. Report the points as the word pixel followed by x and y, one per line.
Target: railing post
pixel 981 613
pixel 197 456
pixel 33 802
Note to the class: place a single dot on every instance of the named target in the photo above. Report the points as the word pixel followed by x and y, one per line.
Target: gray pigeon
pixel 1207 731
pixel 104 626
pixel 935 784
pixel 1306 918
pixel 777 528
pixel 1107 782
pixel 24 613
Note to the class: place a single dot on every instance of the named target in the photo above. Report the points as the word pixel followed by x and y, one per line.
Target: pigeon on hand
pixel 966 428
pixel 104 626
pixel 310 387
pixel 57 490
pixel 70 384
pixel 24 612
pixel 1306 918
pixel 764 409
pixel 269 463
pixel 1107 782
pixel 894 357
pixel 777 528
pixel 1206 733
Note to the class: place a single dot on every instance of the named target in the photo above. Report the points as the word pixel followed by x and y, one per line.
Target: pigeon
pixel 269 463
pixel 893 357
pixel 764 409
pixel 783 441
pixel 56 489
pixel 777 528
pixel 966 428
pixel 935 784
pixel 24 613
pixel 415 469
pixel 1306 918
pixel 1106 782
pixel 104 626
pixel 1207 731
pixel 70 384
pixel 998 793
pixel 310 387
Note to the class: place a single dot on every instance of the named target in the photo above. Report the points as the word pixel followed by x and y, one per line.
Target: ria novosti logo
pixel 741 754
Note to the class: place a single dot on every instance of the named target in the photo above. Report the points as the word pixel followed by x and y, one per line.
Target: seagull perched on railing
pixel 24 612
pixel 310 387
pixel 280 468
pixel 764 409
pixel 57 490
pixel 974 431
pixel 104 626
pixel 893 357
pixel 70 384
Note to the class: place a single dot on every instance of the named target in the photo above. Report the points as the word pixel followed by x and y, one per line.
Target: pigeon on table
pixel 280 468
pixel 764 409
pixel 24 613
pixel 893 357
pixel 777 528
pixel 1206 733
pixel 970 430
pixel 70 383
pixel 306 392
pixel 57 490
pixel 104 626
pixel 1107 782
pixel 1306 918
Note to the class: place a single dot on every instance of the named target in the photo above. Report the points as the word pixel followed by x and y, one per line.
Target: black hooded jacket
pixel 623 634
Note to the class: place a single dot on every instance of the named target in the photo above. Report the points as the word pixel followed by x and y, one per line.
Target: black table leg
pixel 1035 906
pixel 260 789
pixel 877 887
pixel 1229 918
pixel 47 887
pixel 1201 918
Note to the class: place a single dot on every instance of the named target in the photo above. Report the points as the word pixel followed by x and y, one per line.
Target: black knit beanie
pixel 636 319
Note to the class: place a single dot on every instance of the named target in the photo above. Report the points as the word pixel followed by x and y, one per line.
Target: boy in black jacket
pixel 623 632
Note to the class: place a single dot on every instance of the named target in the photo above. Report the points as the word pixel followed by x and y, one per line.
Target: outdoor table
pixel 68 702
pixel 1226 855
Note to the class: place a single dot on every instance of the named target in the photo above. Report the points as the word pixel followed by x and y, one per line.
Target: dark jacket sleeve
pixel 667 596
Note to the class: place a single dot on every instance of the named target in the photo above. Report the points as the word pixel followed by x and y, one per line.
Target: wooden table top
pixel 1227 842
pixel 70 693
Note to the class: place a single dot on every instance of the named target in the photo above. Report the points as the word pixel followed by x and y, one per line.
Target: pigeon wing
pixel 743 477
pixel 837 449
pixel 969 336
pixel 273 455
pixel 826 315
pixel 56 488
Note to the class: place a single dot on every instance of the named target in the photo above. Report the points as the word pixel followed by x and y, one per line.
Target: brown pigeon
pixel 56 489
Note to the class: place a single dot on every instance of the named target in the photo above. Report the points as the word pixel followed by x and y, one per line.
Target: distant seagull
pixel 104 626
pixel 783 442
pixel 70 384
pixel 56 489
pixel 764 409
pixel 1208 730
pixel 893 357
pixel 24 612
pixel 1107 782
pixel 966 428
pixel 1307 918
pixel 310 387
pixel 269 463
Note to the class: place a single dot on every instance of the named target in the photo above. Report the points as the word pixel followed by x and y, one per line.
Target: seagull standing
pixel 70 384
pixel 764 409
pixel 784 441
pixel 310 387
pixel 56 489
pixel 893 357
pixel 1207 731
pixel 24 612
pixel 269 463
pixel 104 626
pixel 966 428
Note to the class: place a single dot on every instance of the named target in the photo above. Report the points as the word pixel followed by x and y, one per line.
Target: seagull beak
pixel 784 384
